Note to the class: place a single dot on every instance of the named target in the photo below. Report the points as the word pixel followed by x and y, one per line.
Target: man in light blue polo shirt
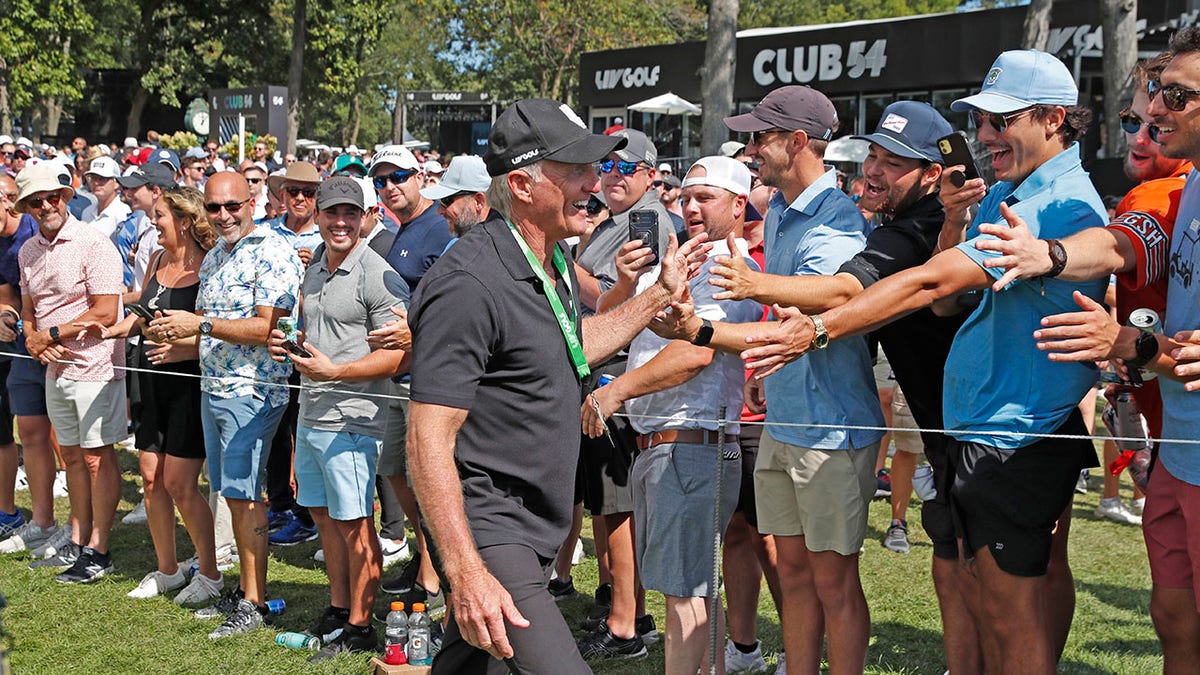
pixel 1011 486
pixel 813 482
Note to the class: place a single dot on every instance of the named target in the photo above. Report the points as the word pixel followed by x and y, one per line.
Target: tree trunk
pixel 717 75
pixel 1036 33
pixel 5 111
pixel 296 72
pixel 398 118
pixel 1119 21
pixel 54 109
pixel 137 104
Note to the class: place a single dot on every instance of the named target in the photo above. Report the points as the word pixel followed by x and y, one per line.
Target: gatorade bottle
pixel 418 636
pixel 396 636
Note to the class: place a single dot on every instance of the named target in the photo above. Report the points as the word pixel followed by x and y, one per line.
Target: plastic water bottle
pixel 418 636
pixel 396 636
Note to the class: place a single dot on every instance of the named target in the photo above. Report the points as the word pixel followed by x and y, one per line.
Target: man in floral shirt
pixel 247 282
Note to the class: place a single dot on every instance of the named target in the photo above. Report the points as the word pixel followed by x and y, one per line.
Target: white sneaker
pixel 392 552
pixel 137 515
pixel 60 484
pixel 319 556
pixel 738 662
pixel 1137 505
pixel 27 537
pixel 53 545
pixel 156 583
pixel 1115 510
pixel 577 555
pixel 22 480
pixel 781 669
pixel 896 538
pixel 201 589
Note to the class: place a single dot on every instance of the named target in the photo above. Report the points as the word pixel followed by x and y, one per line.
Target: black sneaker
pixel 332 619
pixel 222 607
pixel 90 566
pixel 600 611
pixel 644 625
pixel 243 619
pixel 350 639
pixel 561 590
pixel 403 582
pixel 435 603
pixel 65 557
pixel 602 644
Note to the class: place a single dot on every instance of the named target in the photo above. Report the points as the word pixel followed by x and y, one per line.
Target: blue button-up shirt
pixel 815 234
pixel 996 378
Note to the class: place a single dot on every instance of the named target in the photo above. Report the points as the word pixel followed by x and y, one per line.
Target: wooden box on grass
pixel 378 667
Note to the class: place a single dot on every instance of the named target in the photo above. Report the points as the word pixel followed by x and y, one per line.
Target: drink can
pixel 276 606
pixel 605 379
pixel 298 641
pixel 1145 319
pixel 287 326
pixel 1124 421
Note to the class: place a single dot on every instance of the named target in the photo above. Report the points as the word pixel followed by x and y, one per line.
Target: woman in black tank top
pixel 170 436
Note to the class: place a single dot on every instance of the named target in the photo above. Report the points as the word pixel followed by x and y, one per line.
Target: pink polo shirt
pixel 60 276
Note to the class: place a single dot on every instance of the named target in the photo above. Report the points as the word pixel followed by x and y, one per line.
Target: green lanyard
pixel 566 322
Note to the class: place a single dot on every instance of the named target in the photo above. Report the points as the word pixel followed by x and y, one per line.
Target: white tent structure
pixel 669 104
pixel 847 149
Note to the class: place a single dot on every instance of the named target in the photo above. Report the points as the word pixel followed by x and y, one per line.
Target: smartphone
pixel 955 150
pixel 643 225
pixel 297 350
pixel 140 310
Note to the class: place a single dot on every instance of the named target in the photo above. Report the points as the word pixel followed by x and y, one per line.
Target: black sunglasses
pixel 1174 97
pixel 396 177
pixel 296 191
pixel 450 199
pixel 999 121
pixel 52 201
pixel 232 207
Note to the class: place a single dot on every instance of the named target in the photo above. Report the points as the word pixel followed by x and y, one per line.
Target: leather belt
pixel 697 436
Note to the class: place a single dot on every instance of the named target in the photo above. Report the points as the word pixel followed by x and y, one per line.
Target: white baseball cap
pixel 368 188
pixel 726 173
pixel 466 173
pixel 105 167
pixel 396 155
pixel 665 168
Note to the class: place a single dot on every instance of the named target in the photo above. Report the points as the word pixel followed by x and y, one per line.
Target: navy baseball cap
pixel 1022 78
pixel 911 129
pixel 533 129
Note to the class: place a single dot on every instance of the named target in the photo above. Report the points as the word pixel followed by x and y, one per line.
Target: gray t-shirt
pixel 339 310
pixel 599 256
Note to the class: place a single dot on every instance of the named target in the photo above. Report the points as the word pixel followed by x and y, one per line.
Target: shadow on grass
pixel 1126 647
pixel 1118 596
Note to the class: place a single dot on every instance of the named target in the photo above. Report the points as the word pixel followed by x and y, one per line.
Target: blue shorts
pixel 674 486
pixel 27 387
pixel 237 438
pixel 336 470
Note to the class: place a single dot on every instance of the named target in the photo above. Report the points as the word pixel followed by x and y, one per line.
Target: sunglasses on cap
pixel 623 168
pixel 594 206
pixel 295 191
pixel 396 177
pixel 1130 122
pixel 52 201
pixel 232 207
pixel 1174 97
pixel 999 121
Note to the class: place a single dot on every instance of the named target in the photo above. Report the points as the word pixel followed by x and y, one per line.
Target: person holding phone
pixel 348 290
pixel 170 435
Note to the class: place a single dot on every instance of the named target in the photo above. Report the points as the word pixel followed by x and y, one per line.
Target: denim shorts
pixel 237 439
pixel 336 470
pixel 27 388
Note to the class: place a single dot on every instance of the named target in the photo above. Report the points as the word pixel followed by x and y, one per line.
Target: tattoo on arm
pixel 261 531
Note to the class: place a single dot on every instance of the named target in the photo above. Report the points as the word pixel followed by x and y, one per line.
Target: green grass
pixel 96 629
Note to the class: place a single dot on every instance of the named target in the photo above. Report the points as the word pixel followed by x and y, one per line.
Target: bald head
pixel 230 194
pixel 226 183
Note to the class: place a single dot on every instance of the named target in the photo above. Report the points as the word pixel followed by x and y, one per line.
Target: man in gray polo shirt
pixel 348 291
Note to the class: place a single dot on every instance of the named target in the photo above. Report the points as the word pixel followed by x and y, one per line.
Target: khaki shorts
pixel 909 440
pixel 87 414
pixel 822 495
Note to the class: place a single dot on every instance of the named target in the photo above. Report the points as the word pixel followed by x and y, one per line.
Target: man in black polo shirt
pixel 902 173
pixel 499 351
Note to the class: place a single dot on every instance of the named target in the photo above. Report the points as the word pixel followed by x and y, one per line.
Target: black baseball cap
pixel 339 190
pixel 152 173
pixel 790 108
pixel 534 129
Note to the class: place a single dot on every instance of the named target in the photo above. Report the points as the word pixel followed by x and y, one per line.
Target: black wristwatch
pixel 54 334
pixel 1146 346
pixel 1058 258
pixel 704 335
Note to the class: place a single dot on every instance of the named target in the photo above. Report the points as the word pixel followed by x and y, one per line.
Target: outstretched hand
pixel 781 343
pixel 1088 335
pixel 1023 255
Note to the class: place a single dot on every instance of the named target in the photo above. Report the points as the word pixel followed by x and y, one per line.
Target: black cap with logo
pixel 534 129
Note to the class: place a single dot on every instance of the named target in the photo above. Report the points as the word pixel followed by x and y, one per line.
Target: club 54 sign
pixel 824 62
